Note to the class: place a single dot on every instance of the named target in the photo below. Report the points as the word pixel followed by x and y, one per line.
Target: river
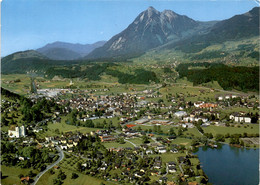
pixel 229 165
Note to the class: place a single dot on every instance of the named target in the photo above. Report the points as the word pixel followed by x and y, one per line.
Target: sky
pixel 31 24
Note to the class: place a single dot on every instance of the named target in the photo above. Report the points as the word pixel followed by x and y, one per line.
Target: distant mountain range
pixel 151 30
pixel 68 51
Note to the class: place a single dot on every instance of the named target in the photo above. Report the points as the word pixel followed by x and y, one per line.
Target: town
pixel 140 136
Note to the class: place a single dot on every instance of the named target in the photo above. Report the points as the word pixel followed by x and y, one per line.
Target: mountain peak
pixel 169 12
pixel 150 29
pixel 151 10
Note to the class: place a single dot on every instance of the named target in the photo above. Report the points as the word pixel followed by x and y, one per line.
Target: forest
pixel 240 78
pixel 92 72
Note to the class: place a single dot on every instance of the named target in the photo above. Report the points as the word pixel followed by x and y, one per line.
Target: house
pixel 149 151
pixel 174 150
pixel 157 165
pixel 25 180
pixel 70 145
pixel 198 104
pixel 17 132
pixel 64 147
pixel 239 117
pixel 103 168
pixel 21 158
pixel 55 142
pixel 220 98
pixel 56 167
pixel 75 143
pixel 180 114
pixel 154 172
pixel 163 179
pixel 171 163
pixel 172 169
pixel 161 149
pixel 208 105
pixel 205 124
pixel 139 174
pixel 107 138
pixel 63 140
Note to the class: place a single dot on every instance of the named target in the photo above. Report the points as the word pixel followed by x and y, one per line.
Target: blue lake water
pixel 229 165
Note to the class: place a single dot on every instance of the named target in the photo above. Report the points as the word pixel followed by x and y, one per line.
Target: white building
pixel 180 114
pixel 239 118
pixel 18 132
pixel 198 104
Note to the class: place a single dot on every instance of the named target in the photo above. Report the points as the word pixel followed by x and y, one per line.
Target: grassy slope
pixel 47 179
pixel 252 129
pixel 12 178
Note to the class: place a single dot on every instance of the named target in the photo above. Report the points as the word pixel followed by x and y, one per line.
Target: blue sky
pixel 30 24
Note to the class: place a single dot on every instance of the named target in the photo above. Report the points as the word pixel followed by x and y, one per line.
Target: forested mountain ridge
pixel 68 51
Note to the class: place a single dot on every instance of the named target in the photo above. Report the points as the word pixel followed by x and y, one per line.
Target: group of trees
pixel 32 157
pixel 91 71
pixel 30 112
pixel 140 76
pixel 61 176
pixel 72 119
pixel 240 77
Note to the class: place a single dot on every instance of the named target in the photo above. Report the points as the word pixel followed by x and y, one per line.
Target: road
pixel 154 139
pixel 61 156
pixel 126 139
pixel 130 142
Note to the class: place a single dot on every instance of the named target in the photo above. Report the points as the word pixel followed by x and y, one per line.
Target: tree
pixel 51 172
pixel 4 121
pixel 57 182
pixel 220 138
pixel 145 139
pixel 61 175
pixel 171 132
pixel 74 176
pixel 79 167
pixel 242 143
pixel 163 170
pixel 31 174
pixel 155 128
pixel 180 131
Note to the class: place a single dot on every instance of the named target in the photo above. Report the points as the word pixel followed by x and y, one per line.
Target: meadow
pixel 9 177
pixel 250 129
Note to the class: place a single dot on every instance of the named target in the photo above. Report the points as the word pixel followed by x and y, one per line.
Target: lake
pixel 229 165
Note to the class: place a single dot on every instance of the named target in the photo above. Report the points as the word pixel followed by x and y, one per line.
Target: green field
pixel 182 141
pixel 68 165
pixel 63 127
pixel 10 174
pixel 22 87
pixel 192 132
pixel 252 129
pixel 47 179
